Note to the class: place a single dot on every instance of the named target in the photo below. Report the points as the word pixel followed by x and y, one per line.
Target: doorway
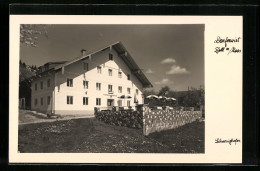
pixel 110 102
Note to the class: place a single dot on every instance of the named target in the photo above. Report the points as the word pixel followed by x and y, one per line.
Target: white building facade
pixel 108 77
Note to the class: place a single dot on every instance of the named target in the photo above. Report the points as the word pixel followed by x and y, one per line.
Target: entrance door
pixel 110 102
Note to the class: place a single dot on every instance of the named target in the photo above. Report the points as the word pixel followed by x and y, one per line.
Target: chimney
pixel 83 52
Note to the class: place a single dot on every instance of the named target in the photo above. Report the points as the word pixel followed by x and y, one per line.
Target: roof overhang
pixel 126 57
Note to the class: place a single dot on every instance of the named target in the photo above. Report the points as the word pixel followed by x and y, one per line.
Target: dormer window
pixel 111 57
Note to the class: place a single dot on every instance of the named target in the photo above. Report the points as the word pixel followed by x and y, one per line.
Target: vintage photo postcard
pixel 125 89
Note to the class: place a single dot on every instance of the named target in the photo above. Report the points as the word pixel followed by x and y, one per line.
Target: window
pixel 98 101
pixel 85 66
pixel 85 84
pixel 136 91
pixel 119 89
pixel 119 74
pixel 99 69
pixel 128 103
pixel 110 88
pixel 69 99
pixel 41 100
pixel 69 82
pixel 41 85
pixel 128 90
pixel 35 102
pixel 48 82
pixel 98 86
pixel 35 87
pixel 48 100
pixel 128 76
pixel 119 102
pixel 85 100
pixel 111 57
pixel 110 72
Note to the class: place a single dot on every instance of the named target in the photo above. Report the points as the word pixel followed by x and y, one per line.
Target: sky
pixel 169 55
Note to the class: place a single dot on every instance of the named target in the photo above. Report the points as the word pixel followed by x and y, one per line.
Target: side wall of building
pixel 40 95
pixel 77 73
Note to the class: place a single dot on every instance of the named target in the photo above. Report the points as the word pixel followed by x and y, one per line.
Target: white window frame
pixel 69 100
pixel 110 88
pixel 99 69
pixel 110 72
pixel 119 74
pixel 129 90
pixel 85 101
pixel 120 89
pixel 98 86
pixel 69 82
pixel 85 84
pixel 128 102
pixel 98 101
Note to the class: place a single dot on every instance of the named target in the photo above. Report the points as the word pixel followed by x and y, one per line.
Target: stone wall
pixel 150 120
pixel 158 120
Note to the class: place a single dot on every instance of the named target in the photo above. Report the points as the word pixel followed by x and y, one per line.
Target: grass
pixel 89 135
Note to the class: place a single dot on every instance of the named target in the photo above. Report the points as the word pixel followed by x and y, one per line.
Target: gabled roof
pixel 125 56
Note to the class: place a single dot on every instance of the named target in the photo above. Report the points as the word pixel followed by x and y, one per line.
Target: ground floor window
pixel 35 102
pixel 85 100
pixel 41 100
pixel 48 100
pixel 98 101
pixel 110 102
pixel 69 99
pixel 128 103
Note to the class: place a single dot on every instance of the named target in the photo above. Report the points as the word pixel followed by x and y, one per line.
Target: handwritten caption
pixel 223 45
pixel 229 141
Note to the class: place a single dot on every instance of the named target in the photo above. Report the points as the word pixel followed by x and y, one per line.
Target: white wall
pixel 76 72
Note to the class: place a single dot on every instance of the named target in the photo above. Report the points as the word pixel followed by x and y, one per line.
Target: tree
pixel 29 33
pixel 164 90
pixel 194 98
pixel 148 92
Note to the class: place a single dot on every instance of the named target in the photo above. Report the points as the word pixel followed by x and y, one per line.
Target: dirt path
pixel 29 117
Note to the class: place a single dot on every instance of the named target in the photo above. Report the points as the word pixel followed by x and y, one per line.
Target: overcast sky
pixel 171 55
